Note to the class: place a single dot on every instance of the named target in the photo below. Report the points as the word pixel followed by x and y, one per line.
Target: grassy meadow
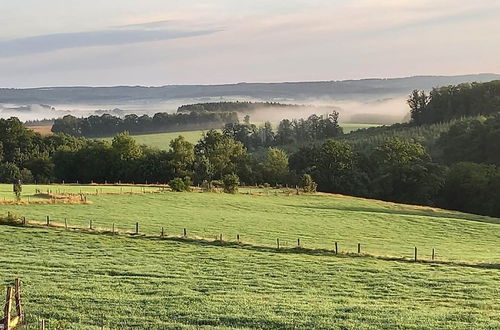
pixel 78 279
pixel 162 140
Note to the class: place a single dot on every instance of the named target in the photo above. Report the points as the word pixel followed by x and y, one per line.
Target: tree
pixel 17 188
pixel 9 173
pixel 218 154
pixel 183 156
pixel 125 147
pixel 275 165
pixel 307 184
pixel 334 167
pixel 418 102
pixel 404 172
pixel 231 183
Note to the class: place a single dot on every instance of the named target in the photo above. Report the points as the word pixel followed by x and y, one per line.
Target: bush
pixel 177 184
pixel 187 183
pixel 307 184
pixel 231 182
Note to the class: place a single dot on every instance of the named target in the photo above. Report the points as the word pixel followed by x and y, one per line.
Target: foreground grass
pixel 318 220
pixel 80 281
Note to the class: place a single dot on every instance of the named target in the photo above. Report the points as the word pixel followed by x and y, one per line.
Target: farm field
pixel 162 140
pixel 83 280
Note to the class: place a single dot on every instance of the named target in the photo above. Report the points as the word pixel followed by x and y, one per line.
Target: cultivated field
pixel 88 278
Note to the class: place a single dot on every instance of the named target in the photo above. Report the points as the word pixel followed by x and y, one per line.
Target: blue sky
pixel 158 42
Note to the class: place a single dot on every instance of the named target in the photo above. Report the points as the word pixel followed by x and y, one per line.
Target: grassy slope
pixel 79 279
pixel 319 220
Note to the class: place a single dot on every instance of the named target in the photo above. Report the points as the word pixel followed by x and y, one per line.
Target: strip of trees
pixel 443 104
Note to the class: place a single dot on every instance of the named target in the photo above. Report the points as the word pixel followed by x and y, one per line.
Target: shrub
pixel 307 184
pixel 187 183
pixel 177 184
pixel 231 182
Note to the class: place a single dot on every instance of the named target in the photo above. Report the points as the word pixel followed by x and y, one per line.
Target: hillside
pixel 142 280
pixel 346 89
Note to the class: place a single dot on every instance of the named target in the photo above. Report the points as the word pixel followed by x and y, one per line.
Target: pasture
pixel 86 279
pixel 162 140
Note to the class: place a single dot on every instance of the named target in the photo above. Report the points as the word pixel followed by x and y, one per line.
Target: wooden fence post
pixel 416 253
pixel 24 221
pixel 8 307
pixel 136 228
pixel 336 248
pixel 113 229
pixel 433 254
pixel 90 224
pixel 238 237
pixel 17 295
pixel 359 248
pixel 48 220
pixel 162 232
pixel 185 232
pixel 42 325
pixel 278 243
pixel 65 223
pixel 298 242
pixel 220 237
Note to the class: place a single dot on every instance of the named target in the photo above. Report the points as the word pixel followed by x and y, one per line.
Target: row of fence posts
pixel 278 245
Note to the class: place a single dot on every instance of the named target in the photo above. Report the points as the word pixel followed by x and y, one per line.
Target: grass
pixel 162 140
pixel 83 280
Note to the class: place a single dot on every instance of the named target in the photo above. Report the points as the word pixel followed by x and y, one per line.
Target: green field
pixel 80 279
pixel 162 140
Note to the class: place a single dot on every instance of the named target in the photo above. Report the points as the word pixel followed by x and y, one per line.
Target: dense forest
pixel 244 107
pixel 443 104
pixel 454 164
pixel 108 125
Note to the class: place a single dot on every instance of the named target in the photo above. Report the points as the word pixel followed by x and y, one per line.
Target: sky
pixel 161 42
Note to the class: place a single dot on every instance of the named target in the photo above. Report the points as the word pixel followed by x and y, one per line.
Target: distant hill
pixel 364 89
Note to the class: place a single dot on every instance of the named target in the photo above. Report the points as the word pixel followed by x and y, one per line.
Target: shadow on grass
pixel 407 212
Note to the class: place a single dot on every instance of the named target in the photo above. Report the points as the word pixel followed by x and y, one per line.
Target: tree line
pixel 232 106
pixel 445 103
pixel 108 125
pixel 296 131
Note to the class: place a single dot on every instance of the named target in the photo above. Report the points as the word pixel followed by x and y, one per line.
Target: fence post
pixel 17 296
pixel 162 232
pixel 90 224
pixel 42 325
pixel 416 253
pixel 298 242
pixel 24 221
pixel 433 254
pixel 136 228
pixel 220 237
pixel 238 237
pixel 278 243
pixel 113 229
pixel 8 307
pixel 185 232
pixel 336 248
pixel 359 248
pixel 48 220
pixel 65 223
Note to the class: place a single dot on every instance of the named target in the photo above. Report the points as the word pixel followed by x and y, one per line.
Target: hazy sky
pixel 158 42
